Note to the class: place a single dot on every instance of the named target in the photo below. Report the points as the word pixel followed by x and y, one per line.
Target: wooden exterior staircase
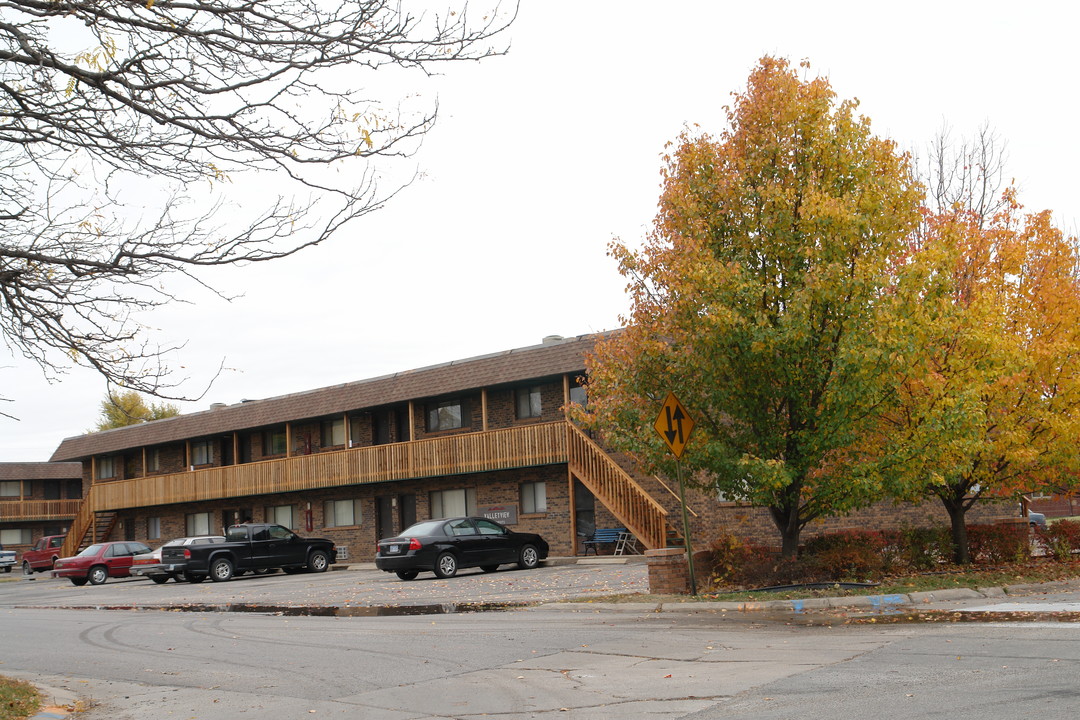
pixel 89 526
pixel 605 478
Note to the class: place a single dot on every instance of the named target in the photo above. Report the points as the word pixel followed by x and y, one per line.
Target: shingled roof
pixel 554 357
pixel 40 470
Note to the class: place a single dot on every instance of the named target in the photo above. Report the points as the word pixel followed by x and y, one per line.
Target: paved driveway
pixel 340 589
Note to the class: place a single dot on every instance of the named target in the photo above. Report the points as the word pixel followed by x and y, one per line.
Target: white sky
pixel 540 157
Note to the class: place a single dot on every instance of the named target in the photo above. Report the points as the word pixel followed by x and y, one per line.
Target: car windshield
pixel 92 550
pixel 423 529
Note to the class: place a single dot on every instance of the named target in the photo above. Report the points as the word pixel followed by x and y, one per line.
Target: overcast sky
pixel 541 157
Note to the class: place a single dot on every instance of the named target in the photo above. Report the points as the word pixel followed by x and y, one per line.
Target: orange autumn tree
pixel 752 300
pixel 985 331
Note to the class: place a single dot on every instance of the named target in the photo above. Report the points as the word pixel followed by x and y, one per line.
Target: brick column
pixel 668 571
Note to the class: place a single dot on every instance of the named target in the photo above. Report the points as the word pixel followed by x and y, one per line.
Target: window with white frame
pixel 198 523
pixel 333 432
pixel 15 536
pixel 280 514
pixel 10 488
pixel 448 503
pixel 106 467
pixel 527 401
pixel 202 452
pixel 534 497
pixel 342 513
pixel 153 528
pixel 445 415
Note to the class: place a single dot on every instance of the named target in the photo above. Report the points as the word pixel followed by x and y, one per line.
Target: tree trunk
pixel 787 522
pixel 957 510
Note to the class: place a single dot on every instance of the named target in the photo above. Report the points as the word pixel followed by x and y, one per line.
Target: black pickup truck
pixel 250 547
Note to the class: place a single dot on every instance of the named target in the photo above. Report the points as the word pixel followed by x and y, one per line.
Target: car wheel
pixel 98 575
pixel 7 569
pixel 221 570
pixel 26 569
pixel 160 579
pixel 407 574
pixel 78 582
pixel 194 579
pixel 318 561
pixel 489 568
pixel 529 558
pixel 446 565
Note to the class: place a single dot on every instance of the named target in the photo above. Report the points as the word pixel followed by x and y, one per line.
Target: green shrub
pixel 921 548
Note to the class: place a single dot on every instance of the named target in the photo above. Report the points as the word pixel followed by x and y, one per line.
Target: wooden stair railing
pixel 82 524
pixel 618 491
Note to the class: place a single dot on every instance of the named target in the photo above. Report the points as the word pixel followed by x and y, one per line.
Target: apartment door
pixel 584 509
pixel 234 516
pixel 406 510
pixel 384 516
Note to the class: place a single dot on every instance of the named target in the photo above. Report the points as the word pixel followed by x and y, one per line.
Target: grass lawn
pixel 18 699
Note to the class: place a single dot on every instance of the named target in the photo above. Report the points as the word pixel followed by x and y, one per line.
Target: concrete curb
pixel 871 602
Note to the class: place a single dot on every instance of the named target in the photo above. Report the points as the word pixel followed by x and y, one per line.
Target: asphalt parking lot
pixel 357 587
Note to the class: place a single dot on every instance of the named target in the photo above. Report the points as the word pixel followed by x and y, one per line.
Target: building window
pixel 280 514
pixel 198 523
pixel 153 460
pixel 342 513
pixel 533 497
pixel 74 489
pixel 106 468
pixel 448 503
pixel 15 536
pixel 202 452
pixel 153 528
pixel 274 442
pixel 10 488
pixel 528 402
pixel 52 489
pixel 578 396
pixel 445 415
pixel 333 432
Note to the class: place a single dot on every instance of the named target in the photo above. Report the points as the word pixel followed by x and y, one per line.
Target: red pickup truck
pixel 42 556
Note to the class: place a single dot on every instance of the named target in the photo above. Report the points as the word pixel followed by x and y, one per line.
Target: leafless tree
pixel 125 126
pixel 969 173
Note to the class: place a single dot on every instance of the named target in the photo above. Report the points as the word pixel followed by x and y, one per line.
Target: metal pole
pixel 686 529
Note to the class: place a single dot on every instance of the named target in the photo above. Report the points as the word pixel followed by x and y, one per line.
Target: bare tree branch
pixel 125 125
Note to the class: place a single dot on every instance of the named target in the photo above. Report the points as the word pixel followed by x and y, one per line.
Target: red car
pixel 99 562
pixel 42 555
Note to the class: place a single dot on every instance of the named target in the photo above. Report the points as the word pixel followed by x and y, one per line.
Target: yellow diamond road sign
pixel 674 424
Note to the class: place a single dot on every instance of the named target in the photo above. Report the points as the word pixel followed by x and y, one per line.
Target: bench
pixel 621 538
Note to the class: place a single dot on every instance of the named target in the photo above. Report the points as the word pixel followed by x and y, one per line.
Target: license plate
pixel 395 549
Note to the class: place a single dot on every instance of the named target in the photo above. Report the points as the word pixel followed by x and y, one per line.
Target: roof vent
pixel 553 339
pixel 216 406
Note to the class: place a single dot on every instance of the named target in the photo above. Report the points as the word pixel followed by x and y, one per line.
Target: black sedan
pixel 445 545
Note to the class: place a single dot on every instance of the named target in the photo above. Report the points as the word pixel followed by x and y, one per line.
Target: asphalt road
pixel 556 660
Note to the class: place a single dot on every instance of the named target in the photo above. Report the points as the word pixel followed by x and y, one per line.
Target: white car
pixel 7 559
pixel 150 565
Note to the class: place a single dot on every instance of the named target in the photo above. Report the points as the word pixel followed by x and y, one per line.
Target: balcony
pixel 540 444
pixel 23 510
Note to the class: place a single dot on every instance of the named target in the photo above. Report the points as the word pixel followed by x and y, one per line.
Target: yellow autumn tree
pixel 984 335
pixel 121 408
pixel 753 298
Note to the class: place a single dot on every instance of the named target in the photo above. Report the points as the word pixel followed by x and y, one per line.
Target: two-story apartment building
pixel 37 499
pixel 362 460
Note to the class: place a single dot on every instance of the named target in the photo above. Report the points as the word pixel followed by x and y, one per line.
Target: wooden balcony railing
pixel 613 486
pixel 38 509
pixel 539 444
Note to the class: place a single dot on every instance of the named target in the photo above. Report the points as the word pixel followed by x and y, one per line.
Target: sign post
pixel 674 425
